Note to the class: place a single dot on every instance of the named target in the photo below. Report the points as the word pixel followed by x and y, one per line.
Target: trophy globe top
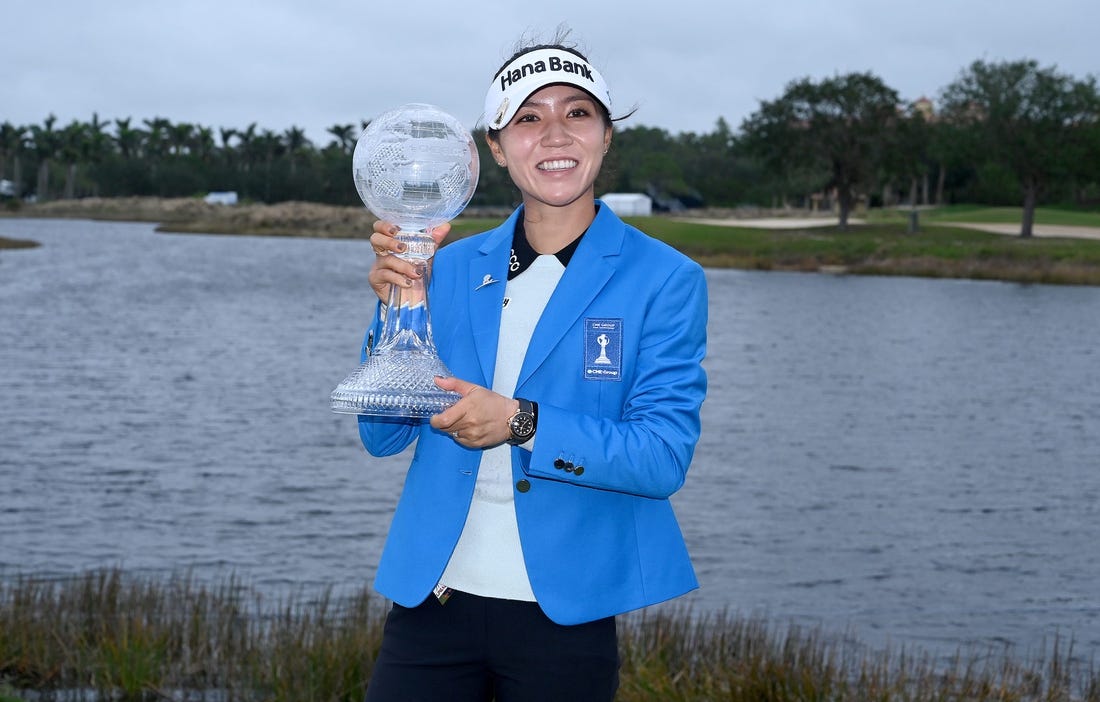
pixel 416 166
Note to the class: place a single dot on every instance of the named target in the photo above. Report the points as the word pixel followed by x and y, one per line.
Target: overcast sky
pixel 316 63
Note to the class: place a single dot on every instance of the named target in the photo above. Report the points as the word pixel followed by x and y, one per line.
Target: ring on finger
pixel 454 434
pixel 379 251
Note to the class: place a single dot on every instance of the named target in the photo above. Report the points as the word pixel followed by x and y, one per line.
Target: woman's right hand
pixel 389 269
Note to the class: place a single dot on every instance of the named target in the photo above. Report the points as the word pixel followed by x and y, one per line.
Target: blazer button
pixel 523 486
pixel 568 467
pixel 559 463
pixel 578 470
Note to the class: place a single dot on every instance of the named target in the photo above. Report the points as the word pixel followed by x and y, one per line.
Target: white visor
pixel 534 70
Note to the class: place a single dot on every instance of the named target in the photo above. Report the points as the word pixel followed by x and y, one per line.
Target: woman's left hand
pixel 479 419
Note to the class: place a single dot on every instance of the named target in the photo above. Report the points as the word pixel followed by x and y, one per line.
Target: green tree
pixel 47 143
pixel 715 168
pixel 907 160
pixel 835 130
pixel 227 160
pixel 269 148
pixel 246 145
pixel 74 138
pixel 127 138
pixel 96 148
pixel 644 159
pixel 13 139
pixel 157 140
pixel 180 138
pixel 201 144
pixel 296 144
pixel 343 137
pixel 1035 123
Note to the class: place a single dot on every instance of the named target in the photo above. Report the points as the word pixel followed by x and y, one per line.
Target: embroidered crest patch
pixel 603 349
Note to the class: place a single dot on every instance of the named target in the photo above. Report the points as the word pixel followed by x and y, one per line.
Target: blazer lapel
pixel 592 265
pixel 487 278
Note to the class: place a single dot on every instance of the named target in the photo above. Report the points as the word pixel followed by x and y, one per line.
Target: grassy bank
pixel 886 249
pixel 193 215
pixel 16 243
pixel 880 247
pixel 874 249
pixel 136 639
pixel 980 214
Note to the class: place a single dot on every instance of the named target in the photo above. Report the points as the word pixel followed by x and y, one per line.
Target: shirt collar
pixel 523 255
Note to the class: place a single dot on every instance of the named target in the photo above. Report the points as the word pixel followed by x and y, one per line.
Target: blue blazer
pixel 615 434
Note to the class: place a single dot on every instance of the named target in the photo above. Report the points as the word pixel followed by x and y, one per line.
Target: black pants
pixel 476 649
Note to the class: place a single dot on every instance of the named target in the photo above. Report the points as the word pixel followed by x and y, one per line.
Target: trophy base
pixel 395 384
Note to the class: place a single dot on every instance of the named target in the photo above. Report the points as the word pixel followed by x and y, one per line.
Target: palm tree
pixel 245 141
pixel 267 146
pixel 46 144
pixel 295 141
pixel 12 141
pixel 227 148
pixel 96 147
pixel 344 137
pixel 226 135
pixel 127 138
pixel 73 145
pixel 156 141
pixel 179 137
pixel 202 143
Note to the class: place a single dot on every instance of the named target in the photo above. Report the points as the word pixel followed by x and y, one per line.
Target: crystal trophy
pixel 415 166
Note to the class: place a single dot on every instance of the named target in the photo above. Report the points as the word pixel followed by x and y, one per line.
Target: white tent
pixel 629 204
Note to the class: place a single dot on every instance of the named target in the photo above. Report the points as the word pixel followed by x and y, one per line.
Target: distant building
pixel 629 204
pixel 226 197
pixel 924 107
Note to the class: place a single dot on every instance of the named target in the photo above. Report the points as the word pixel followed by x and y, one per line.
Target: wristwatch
pixel 522 423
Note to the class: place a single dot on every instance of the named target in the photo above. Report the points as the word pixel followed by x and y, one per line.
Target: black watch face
pixel 523 425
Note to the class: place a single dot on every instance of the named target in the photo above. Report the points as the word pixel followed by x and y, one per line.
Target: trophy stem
pixel 398 378
pixel 407 327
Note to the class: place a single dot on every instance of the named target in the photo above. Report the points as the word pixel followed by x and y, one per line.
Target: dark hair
pixel 526 45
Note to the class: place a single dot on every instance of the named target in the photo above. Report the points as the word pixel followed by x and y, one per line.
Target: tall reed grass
pixel 108 636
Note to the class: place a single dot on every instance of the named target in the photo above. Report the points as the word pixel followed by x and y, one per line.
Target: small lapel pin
pixel 487 280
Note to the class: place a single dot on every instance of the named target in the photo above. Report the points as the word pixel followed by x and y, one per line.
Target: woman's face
pixel 554 145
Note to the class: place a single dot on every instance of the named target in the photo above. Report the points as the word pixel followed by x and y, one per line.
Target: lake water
pixel 906 461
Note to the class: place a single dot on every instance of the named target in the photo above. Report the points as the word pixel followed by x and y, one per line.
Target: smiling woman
pixel 537 507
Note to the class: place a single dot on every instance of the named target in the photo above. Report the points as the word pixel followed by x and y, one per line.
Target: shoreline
pixel 769 240
pixel 192 216
pixel 12 244
pixel 312 219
